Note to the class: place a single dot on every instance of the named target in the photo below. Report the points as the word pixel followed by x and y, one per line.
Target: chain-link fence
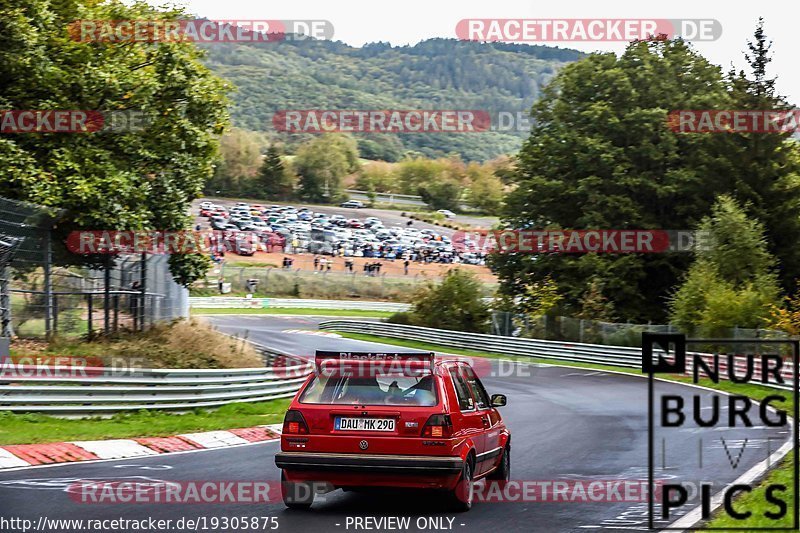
pixel 46 290
pixel 561 328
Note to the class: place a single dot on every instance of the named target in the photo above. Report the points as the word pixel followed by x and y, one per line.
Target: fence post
pixel 5 303
pixel 48 286
pixel 55 314
pixel 142 290
pixel 107 294
pixel 116 313
pixel 89 332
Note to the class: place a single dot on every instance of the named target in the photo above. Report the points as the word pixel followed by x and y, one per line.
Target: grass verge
pixel 304 311
pixel 35 428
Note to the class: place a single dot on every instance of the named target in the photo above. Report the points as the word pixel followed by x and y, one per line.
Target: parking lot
pixel 360 237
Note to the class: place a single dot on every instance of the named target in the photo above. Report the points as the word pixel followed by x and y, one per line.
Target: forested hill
pixel 433 74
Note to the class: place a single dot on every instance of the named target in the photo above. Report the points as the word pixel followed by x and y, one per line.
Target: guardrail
pixel 227 302
pixel 97 391
pixel 387 198
pixel 620 356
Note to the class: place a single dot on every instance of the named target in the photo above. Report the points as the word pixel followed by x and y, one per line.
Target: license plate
pixel 363 424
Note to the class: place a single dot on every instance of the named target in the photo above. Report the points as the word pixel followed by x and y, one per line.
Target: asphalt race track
pixel 567 424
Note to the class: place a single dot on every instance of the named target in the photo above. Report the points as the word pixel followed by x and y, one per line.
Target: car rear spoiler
pixel 371 363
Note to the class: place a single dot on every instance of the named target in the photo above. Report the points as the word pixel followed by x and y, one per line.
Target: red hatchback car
pixel 403 420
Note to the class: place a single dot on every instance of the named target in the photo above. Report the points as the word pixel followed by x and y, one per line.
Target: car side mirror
pixel 499 400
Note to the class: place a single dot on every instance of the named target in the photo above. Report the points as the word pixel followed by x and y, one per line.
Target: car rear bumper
pixel 369 464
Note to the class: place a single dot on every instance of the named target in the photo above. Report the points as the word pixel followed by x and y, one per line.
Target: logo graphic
pixel 667 345
pixel 708 447
pixel 363 445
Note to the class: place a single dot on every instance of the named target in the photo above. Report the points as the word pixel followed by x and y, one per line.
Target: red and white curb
pixel 25 455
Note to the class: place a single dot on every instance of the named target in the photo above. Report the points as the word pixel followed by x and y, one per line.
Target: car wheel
pixel 461 496
pixel 503 471
pixel 296 495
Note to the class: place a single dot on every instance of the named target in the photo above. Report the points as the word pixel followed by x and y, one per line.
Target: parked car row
pixel 333 234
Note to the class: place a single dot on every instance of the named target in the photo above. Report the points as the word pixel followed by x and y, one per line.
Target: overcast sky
pixel 409 21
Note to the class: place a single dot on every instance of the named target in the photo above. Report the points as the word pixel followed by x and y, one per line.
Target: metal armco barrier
pixel 568 352
pixel 224 302
pixel 88 391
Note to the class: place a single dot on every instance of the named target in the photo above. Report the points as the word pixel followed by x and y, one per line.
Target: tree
pixel 322 163
pixel 486 190
pixel 595 305
pixel 763 170
pixel 133 179
pixel 601 156
pixel 240 154
pixel 274 180
pixel 732 281
pixel 456 303
pixel 441 194
pixel 377 176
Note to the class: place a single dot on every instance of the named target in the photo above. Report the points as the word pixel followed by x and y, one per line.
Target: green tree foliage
pixel 455 304
pixel 486 190
pixel 602 156
pixel 322 163
pixel 762 171
pixel 384 148
pixel 274 180
pixel 377 176
pixel 118 180
pixel 240 160
pixel 595 305
pixel 416 172
pixel 435 73
pixel 441 194
pixel 732 282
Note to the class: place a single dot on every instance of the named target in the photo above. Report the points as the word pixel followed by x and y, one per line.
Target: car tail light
pixel 294 423
pixel 438 427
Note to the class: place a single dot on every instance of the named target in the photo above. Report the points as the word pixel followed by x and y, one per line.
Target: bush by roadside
pixel 456 303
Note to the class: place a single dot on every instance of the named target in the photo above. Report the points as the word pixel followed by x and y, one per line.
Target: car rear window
pixel 383 389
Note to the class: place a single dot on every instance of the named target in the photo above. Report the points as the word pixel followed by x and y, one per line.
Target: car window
pixel 475 385
pixel 465 402
pixel 383 389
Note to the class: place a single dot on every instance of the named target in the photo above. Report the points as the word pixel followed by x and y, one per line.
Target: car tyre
pixel 461 497
pixel 296 495
pixel 503 471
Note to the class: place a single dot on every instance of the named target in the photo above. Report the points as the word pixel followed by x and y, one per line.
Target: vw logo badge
pixel 363 445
